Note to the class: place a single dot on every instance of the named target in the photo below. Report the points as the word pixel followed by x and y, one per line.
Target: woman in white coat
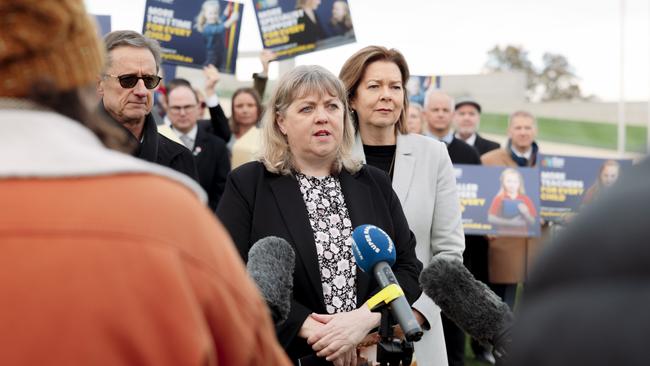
pixel 420 169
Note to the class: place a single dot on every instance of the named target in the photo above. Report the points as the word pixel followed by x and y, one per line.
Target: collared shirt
pixel 470 140
pixel 190 135
pixel 526 155
pixel 447 139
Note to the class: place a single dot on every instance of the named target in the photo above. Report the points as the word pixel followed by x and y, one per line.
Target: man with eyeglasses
pixel 210 152
pixel 126 90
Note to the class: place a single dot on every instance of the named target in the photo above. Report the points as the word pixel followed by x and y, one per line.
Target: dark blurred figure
pixel 588 294
pixel 105 259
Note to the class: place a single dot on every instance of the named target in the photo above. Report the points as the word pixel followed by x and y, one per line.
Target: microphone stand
pixel 391 351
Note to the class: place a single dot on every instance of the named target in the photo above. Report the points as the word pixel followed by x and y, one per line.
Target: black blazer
pixel 484 145
pixel 213 165
pixel 461 153
pixel 217 124
pixel 156 148
pixel 257 204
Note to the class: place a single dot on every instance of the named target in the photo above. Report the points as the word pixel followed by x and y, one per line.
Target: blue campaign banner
pixel 294 27
pixel 499 201
pixel 103 24
pixel 417 87
pixel 195 33
pixel 569 183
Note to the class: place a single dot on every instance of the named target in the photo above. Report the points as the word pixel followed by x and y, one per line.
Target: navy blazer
pixel 257 204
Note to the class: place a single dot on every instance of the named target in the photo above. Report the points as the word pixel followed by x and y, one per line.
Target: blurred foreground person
pixel 126 89
pixel 105 259
pixel 588 295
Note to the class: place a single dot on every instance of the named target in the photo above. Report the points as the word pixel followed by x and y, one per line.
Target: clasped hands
pixel 336 336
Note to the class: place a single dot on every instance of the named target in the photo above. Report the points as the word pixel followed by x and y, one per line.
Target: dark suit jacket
pixel 156 148
pixel 213 165
pixel 257 204
pixel 484 145
pixel 217 125
pixel 461 153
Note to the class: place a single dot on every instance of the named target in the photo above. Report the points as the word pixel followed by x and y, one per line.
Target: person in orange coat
pixel 105 259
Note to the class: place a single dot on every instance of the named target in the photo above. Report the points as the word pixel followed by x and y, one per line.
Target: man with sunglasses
pixel 126 89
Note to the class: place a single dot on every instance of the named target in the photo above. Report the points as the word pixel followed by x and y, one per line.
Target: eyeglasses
pixel 128 81
pixel 180 108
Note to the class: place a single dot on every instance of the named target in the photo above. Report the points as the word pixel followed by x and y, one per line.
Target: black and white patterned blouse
pixel 332 229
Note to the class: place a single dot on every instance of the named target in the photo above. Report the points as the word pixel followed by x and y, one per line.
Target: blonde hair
pixel 355 67
pixel 201 18
pixel 521 113
pixel 302 81
pixel 507 171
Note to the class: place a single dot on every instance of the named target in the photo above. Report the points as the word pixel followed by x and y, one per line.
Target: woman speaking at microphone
pixel 307 189
pixel 420 169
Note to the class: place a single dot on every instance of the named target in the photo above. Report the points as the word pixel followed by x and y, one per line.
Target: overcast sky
pixel 453 37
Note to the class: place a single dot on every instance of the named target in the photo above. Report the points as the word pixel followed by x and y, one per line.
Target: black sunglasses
pixel 128 81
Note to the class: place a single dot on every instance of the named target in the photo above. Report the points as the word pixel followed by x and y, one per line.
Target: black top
pixel 382 157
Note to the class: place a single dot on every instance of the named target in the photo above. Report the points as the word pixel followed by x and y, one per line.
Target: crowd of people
pixel 128 221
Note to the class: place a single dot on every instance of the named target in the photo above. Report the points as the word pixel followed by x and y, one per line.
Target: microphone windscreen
pixel 468 302
pixel 370 246
pixel 271 261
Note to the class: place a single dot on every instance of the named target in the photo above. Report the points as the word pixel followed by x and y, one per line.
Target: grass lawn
pixel 592 134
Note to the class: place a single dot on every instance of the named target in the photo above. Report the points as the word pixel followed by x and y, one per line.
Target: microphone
pixel 469 303
pixel 374 253
pixel 271 261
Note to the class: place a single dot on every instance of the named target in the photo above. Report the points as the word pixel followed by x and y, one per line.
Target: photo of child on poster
pixel 511 210
pixel 499 201
pixel 213 27
pixel 607 175
pixel 569 183
pixel 195 33
pixel 294 27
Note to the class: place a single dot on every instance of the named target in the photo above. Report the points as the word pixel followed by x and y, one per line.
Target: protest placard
pixel 294 27
pixel 195 33
pixel 569 183
pixel 498 200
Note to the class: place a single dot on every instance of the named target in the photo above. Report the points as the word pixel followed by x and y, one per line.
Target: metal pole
pixel 621 100
pixel 647 150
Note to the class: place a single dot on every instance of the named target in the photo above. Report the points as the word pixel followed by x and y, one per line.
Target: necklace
pixel 392 164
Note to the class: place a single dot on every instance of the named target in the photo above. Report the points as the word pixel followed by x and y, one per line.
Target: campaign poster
pixel 294 27
pixel 570 183
pixel 103 24
pixel 417 86
pixel 499 201
pixel 195 33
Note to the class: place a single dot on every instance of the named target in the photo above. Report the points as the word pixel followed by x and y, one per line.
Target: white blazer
pixel 425 183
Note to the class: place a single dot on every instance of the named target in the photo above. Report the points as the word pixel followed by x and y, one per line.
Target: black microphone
pixel 270 263
pixel 469 303
pixel 374 253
